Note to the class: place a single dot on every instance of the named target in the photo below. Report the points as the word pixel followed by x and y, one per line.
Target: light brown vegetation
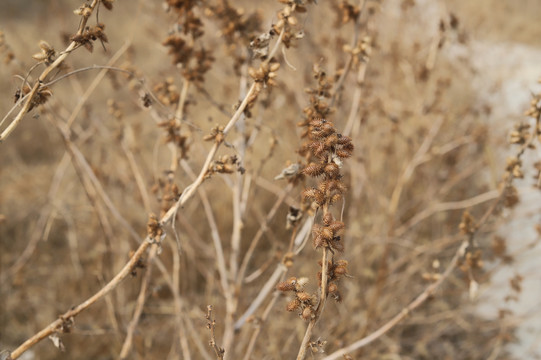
pixel 227 171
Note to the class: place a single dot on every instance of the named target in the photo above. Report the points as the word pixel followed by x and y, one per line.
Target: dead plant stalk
pixel 41 79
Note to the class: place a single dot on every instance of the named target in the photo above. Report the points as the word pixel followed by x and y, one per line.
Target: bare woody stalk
pixel 178 118
pixel 124 352
pixel 38 86
pixel 355 50
pixel 65 318
pixel 505 197
pixel 267 69
pixel 156 231
pixel 211 325
pixel 324 150
pixel 426 294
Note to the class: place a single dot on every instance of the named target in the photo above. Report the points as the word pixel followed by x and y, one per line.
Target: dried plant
pixel 317 171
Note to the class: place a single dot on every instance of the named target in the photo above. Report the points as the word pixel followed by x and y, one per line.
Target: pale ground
pixel 506 73
pixel 507 67
pixel 515 67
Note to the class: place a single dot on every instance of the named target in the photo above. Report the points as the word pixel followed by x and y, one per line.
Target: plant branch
pixel 124 352
pixel 39 83
pixel 56 326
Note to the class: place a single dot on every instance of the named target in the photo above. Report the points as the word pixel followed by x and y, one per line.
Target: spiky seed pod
pixel 304 297
pixel 307 313
pixel 327 233
pixel 327 219
pixel 310 193
pixel 293 305
pixel 324 186
pixel 336 226
pixel 314 169
pixel 343 140
pixel 317 122
pixel 332 288
pixel 331 186
pixel 337 186
pixel 288 285
pixel 324 131
pixel 335 198
pixel 331 141
pixel 348 146
pixel 343 154
pixel 317 148
pixel 318 241
pixel 314 194
pixel 332 170
pixel 340 270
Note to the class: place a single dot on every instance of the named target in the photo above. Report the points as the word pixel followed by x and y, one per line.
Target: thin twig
pixel 64 319
pixel 398 317
pixel 39 83
pixel 215 234
pixel 319 310
pixel 356 29
pixel 125 351
pixel 93 67
pixel 182 334
pixel 419 300
pixel 137 175
pixel 68 316
pixel 211 325
pixel 259 234
pixel 298 240
pixel 79 158
pixel 417 160
pixel 95 83
pixel 451 205
pixel 260 323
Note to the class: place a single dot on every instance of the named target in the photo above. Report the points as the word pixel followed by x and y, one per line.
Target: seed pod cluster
pixel 89 35
pixel 327 148
pixel 303 302
pixel 190 56
pixel 324 149
pixel 328 234
pixel 336 269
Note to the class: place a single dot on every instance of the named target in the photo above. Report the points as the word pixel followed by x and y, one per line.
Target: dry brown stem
pixel 126 346
pixel 429 291
pixel 319 310
pixel 426 149
pixel 43 77
pixel 211 324
pixel 186 195
pixel 68 316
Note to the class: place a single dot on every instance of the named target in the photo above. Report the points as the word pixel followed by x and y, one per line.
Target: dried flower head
pixel 154 229
pixel 89 35
pixel 288 285
pixel 216 134
pixel 47 54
